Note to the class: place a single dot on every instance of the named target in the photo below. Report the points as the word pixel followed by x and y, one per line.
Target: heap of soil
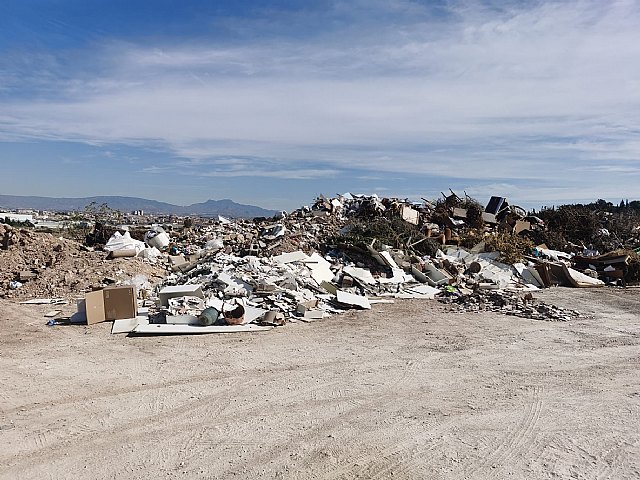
pixel 63 268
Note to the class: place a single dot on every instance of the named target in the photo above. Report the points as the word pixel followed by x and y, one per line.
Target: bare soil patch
pixel 409 390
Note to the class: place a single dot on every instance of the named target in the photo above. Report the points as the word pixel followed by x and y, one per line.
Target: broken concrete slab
pixel 352 300
pixel 425 292
pixel 362 275
pixel 288 257
pixel 320 268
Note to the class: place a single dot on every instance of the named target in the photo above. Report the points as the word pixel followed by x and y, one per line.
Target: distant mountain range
pixel 210 208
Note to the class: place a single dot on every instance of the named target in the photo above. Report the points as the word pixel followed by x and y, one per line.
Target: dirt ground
pixel 408 390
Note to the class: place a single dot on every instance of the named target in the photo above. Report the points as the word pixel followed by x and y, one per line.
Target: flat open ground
pixel 407 390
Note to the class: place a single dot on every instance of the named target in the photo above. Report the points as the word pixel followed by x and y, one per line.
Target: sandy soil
pixel 404 391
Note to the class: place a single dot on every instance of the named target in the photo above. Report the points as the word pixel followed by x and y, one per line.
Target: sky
pixel 272 103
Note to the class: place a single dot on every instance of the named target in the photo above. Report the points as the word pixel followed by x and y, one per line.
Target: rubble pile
pixel 346 252
pixel 34 264
pixel 509 303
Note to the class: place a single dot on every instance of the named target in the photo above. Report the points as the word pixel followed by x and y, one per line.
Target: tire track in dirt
pixel 516 442
pixel 155 423
pixel 369 464
pixel 42 451
pixel 407 455
pixel 219 376
pixel 374 401
pixel 610 460
pixel 526 439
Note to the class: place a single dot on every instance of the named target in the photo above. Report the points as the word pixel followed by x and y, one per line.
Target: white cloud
pixel 527 92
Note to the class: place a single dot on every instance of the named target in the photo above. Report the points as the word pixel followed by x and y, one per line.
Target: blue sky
pixel 273 102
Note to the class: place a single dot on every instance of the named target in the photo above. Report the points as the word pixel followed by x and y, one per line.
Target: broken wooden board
pixel 45 301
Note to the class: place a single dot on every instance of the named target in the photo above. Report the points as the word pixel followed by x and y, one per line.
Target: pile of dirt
pixel 34 264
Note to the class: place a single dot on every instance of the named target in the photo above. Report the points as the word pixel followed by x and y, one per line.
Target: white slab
pixel 164 329
pixel 389 260
pixel 582 280
pixel 234 283
pixel 410 215
pixel 179 291
pixel 126 325
pixel 184 319
pixel 399 276
pixel 252 313
pixel 353 300
pixel 320 268
pixel 360 274
pixel 526 274
pixel 424 290
pixel 289 257
pixel 214 302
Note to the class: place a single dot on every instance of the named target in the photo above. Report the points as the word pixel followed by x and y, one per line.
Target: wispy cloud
pixel 497 95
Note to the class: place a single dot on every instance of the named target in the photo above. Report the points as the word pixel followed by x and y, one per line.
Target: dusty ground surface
pixel 404 391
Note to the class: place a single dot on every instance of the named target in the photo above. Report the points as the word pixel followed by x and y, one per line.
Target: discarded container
pixel 235 316
pixel 157 237
pixel 209 316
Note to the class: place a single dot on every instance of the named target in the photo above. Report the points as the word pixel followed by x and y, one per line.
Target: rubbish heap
pixel 353 251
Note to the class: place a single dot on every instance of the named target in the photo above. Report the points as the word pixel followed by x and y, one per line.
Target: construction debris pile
pixel 509 303
pixel 346 252
pixel 35 264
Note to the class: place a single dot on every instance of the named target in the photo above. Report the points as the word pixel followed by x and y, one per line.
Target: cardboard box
pixel 111 303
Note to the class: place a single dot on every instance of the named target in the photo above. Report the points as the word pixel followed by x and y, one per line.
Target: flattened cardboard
pixel 94 307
